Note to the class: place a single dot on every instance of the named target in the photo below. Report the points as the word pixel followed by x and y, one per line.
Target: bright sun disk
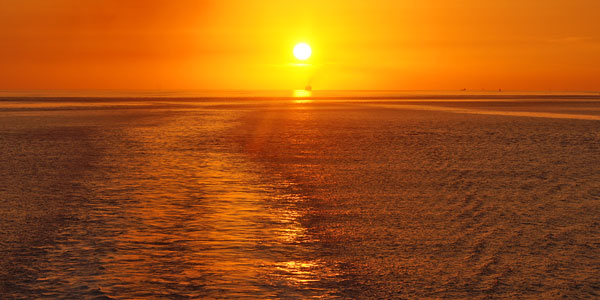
pixel 302 51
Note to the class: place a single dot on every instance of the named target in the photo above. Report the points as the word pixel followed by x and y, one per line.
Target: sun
pixel 302 51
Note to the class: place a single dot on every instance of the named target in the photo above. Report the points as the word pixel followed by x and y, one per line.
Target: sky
pixel 535 45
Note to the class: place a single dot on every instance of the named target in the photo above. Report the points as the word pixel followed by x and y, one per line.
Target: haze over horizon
pixel 241 45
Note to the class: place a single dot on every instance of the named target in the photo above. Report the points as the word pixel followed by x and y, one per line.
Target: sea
pixel 299 195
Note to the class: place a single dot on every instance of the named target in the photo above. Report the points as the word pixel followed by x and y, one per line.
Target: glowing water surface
pixel 300 197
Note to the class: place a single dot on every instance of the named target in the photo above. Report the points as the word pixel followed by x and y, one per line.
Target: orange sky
pixel 404 45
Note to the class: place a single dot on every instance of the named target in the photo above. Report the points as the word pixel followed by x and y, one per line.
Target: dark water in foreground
pixel 299 199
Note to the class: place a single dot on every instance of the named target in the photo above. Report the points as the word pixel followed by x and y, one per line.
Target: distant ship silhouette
pixel 308 88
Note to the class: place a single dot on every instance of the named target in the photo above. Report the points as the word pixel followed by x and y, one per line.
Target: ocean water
pixel 335 196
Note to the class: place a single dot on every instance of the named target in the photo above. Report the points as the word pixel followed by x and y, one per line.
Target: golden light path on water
pixel 181 209
pixel 247 222
pixel 301 96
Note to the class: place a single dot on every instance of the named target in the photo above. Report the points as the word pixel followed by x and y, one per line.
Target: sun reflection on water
pixel 177 211
pixel 302 96
pixel 299 272
pixel 208 218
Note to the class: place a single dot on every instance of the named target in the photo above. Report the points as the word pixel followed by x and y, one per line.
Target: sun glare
pixel 302 51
